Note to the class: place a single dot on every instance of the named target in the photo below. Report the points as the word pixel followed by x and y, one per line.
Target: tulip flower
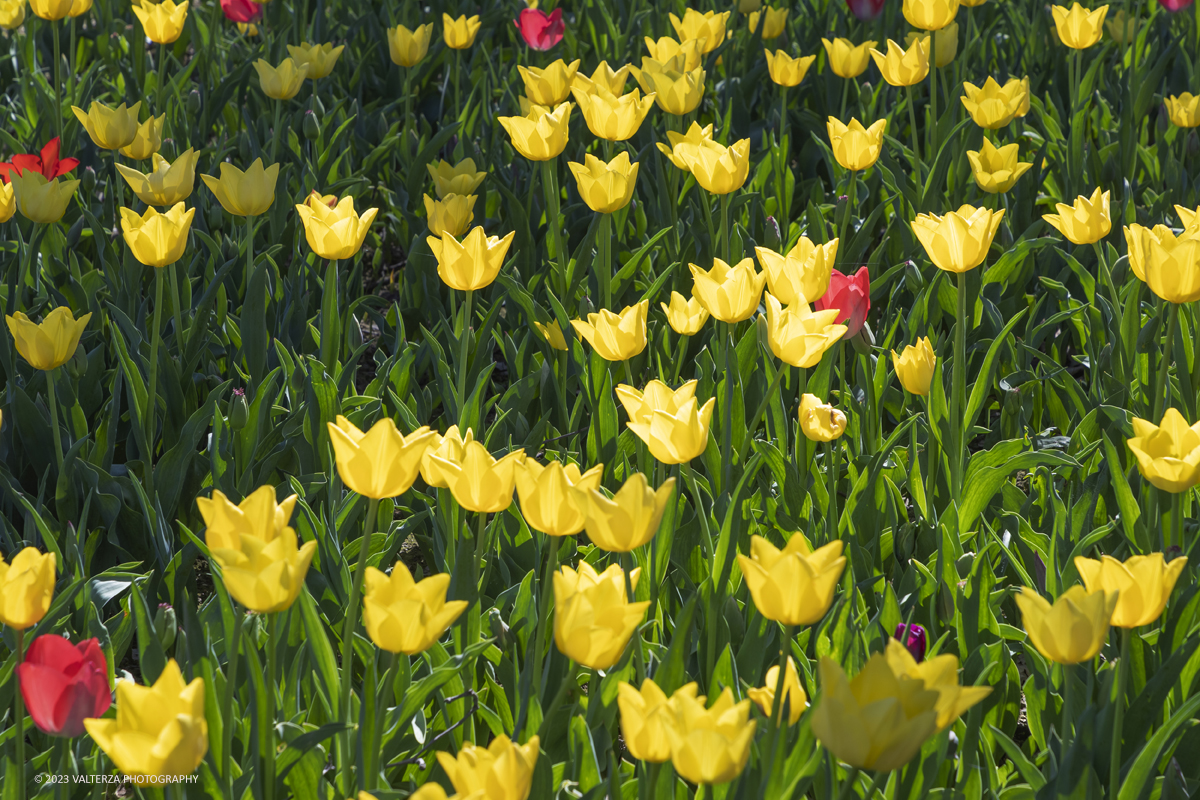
pixel 1086 222
pixel 552 495
pixel 612 117
pixel 408 48
pixel 865 10
pixel 472 263
pixel 381 462
pixel 12 14
pixel 875 721
pixel 460 178
pixel 797 335
pixel 1168 454
pixel 749 7
pixel 676 90
pixel 730 294
pixel 168 183
pixel 452 215
pixel 709 26
pixel 8 202
pixel 947 43
pixel 696 136
pixel 851 296
pixel 606 188
pixel 51 9
pixel 630 519
pixel 481 483
pixel 51 344
pixel 774 22
pixel 785 70
pixel 159 730
pixel 241 11
pixel 710 745
pixel 603 78
pixel 162 22
pixel 803 274
pixel 685 315
pixel 147 141
pixel 27 583
pixel 459 34
pixel 615 337
pixel 1077 27
pixel 1184 110
pixel 819 421
pixel 959 241
pixel 718 169
pixel 1142 584
pixel 157 240
pixel 40 200
pixel 666 49
pixel 335 233
pixel 930 15
pixel 996 170
pixel 541 135
pixel 1175 6
pixel 110 128
pixel 540 30
pixel 593 618
pixel 912 637
pixel 62 683
pixel 549 86
pixel 1187 217
pixel 319 58
pixel 552 334
pixel 676 432
pixel 939 674
pixel 646 715
pixel 449 448
pixel 244 194
pixel 406 616
pixel 1168 264
pixel 795 585
pixel 1120 29
pixel 856 147
pixel 846 59
pixel 1073 629
pixel 265 576
pixel 914 366
pixel 282 82
pixel 902 67
pixel 640 406
pixel 258 516
pixel 793 693
pixel 501 771
pixel 46 162
pixel 994 106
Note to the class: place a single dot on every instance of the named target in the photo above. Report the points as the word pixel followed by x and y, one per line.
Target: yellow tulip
pixel 40 200
pixel 552 334
pixel 50 344
pixel 803 274
pixel 718 169
pixel 1187 217
pixel 674 428
pixel 381 462
pixel 1086 222
pixel 960 240
pixel 552 495
pixel 1120 29
pixel 1168 264
pixel 602 78
pixel 147 140
pixel 12 14
pixel 875 721
pixel 1168 454
pixel 282 82
pixel 157 240
pixel 846 59
pixel 472 263
pixel 774 22
pixel 408 48
pixel 711 745
pixel 794 585
pixel 615 118
pixel 630 519
pixel 449 448
pixel 1184 110
pixel 785 70
pixel 247 29
pixel 854 146
pixel 615 337
pixel 696 136
pixel 51 9
pixel 80 7
pixel 996 170
pixel 685 315
pixel 930 15
pixel 593 618
pixel 606 188
pixel 994 106
pixel 406 616
pixel 749 7
pixel 8 202
pixel 820 422
pixel 1013 86
pixel 657 396
pixel 1142 584
pixel 110 128
pixel 709 26
pixel 730 294
pixel 676 90
pixel 646 715
pixel 666 49
pixel 335 233
pixel 1077 27
pixel 798 335
pixel 26 586
pixel 541 135
pixel 162 22
pixel 459 34
pixel 501 771
pixel 480 482
pixel 914 366
pixel 452 215
pixel 265 576
pixel 258 516
pixel 901 67
pixel 549 86
pixel 168 183
pixel 244 194
pixel 319 58
pixel 159 730
pixel 460 178
pixel 947 43
pixel 1073 629
pixel 794 696
pixel 939 674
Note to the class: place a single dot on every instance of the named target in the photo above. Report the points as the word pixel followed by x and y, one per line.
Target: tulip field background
pixel 427 414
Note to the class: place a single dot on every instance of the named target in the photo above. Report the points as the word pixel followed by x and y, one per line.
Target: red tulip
pixel 241 10
pixel 1175 5
pixel 64 683
pixel 866 9
pixel 540 30
pixel 47 163
pixel 851 296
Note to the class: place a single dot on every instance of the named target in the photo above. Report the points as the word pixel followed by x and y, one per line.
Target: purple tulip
pixel 914 640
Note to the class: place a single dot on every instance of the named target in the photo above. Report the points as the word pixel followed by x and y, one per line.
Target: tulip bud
pixel 863 341
pixel 88 181
pixel 165 625
pixel 733 618
pixel 311 128
pixel 355 333
pixel 192 103
pixel 78 364
pixel 498 628
pixel 913 638
pixel 774 239
pixel 244 147
pixel 239 410
pixel 214 218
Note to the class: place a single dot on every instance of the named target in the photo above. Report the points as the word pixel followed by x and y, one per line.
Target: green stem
pixel 51 374
pixel 152 396
pixel 831 471
pixel 959 391
pixel 1114 759
pixel 933 93
pixel 604 260
pixel 377 734
pixel 848 786
pixel 57 83
pixel 1162 390
pixel 71 64
pixel 408 118
pixel 683 346
pixel 275 130
pixel 727 410
pixel 845 94
pixel 162 76
pixel 227 725
pixel 762 409
pixel 1065 733
pixel 19 717
pixel 568 682
pixel 851 190
pixel 180 341
pixel 550 188
pixel 781 186
pixel 627 562
pixel 777 705
pixel 1175 537
pixel 916 143
pixel 330 334
pixel 726 245
pixel 266 748
pixel 348 631
pixel 545 594
pixel 464 338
